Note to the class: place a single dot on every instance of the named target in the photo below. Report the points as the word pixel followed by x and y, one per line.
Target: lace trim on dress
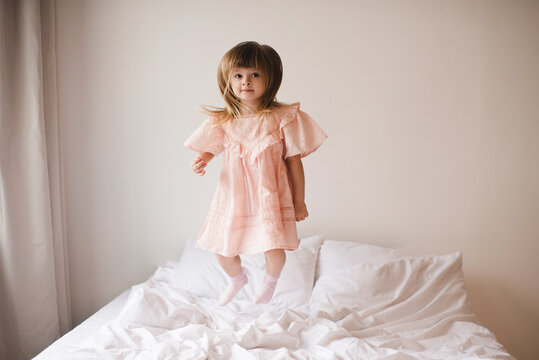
pixel 245 142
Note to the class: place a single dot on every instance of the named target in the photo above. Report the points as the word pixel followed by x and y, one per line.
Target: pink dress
pixel 252 209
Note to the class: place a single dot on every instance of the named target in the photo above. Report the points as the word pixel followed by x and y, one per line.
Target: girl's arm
pixel 200 161
pixel 296 176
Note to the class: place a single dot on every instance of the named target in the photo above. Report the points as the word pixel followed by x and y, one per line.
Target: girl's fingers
pixel 196 162
pixel 200 166
pixel 199 170
pixel 302 217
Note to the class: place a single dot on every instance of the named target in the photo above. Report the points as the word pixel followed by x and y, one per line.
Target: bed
pixel 335 300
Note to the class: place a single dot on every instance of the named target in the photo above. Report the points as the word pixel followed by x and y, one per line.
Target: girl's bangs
pixel 246 57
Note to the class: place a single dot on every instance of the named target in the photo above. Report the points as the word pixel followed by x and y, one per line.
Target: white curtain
pixel 34 294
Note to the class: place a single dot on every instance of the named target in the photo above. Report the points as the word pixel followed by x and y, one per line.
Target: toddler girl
pixel 261 191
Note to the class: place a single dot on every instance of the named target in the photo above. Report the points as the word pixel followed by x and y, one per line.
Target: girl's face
pixel 248 85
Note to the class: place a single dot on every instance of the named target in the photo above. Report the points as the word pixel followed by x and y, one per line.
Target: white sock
pixel 265 292
pixel 235 284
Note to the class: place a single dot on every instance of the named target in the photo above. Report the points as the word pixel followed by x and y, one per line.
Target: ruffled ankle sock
pixel 235 284
pixel 266 290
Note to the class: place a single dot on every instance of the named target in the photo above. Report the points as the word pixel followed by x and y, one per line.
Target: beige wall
pixel 430 106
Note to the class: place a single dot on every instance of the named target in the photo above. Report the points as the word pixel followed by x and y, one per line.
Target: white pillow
pixel 338 255
pixel 408 288
pixel 199 272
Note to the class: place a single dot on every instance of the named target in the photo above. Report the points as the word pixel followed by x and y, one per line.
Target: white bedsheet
pixel 85 329
pixel 161 322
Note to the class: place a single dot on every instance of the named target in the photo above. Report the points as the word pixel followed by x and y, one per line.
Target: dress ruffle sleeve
pixel 206 138
pixel 300 134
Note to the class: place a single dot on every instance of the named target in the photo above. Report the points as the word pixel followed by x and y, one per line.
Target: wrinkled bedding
pixel 403 309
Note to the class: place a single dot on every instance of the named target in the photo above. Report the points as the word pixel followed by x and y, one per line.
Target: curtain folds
pixel 34 293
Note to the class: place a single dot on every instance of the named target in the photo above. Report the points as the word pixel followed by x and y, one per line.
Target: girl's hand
pixel 198 165
pixel 301 211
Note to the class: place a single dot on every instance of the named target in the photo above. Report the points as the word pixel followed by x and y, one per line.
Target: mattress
pixel 334 300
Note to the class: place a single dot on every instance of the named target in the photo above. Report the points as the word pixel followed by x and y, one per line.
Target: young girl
pixel 261 191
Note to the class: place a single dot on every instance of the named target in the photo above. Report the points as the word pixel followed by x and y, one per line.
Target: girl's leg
pixel 238 279
pixel 231 265
pixel 275 260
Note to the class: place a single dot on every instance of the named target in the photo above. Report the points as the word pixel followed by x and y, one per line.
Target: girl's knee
pixel 275 260
pixel 275 254
pixel 227 258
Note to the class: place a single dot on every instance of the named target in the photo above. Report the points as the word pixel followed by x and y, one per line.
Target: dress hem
pixel 247 252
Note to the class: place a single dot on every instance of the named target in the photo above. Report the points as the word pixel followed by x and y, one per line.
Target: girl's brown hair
pixel 249 54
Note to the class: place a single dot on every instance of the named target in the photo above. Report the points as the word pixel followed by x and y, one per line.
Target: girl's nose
pixel 247 81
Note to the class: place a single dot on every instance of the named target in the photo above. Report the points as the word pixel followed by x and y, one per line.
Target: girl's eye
pixel 255 75
pixel 237 76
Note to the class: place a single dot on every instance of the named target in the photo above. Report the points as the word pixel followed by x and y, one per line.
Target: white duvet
pixel 399 308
